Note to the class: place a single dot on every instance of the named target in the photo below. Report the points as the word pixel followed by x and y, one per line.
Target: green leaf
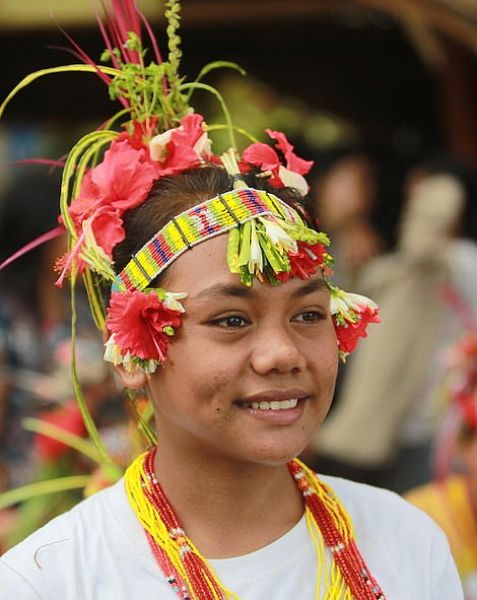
pixel 50 486
pixel 65 69
pixel 69 439
pixel 244 132
pixel 208 88
pixel 218 64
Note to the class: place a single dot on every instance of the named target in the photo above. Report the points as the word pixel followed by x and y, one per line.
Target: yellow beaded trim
pixel 330 579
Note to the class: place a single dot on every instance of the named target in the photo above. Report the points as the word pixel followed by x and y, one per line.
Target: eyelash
pixel 226 322
pixel 220 322
pixel 317 316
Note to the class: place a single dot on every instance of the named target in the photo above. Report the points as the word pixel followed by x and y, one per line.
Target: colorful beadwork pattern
pixel 211 218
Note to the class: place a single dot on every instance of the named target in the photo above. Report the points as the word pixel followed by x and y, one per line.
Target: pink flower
pixel 181 148
pixel 122 180
pixel 137 320
pixel 266 158
pixel 107 228
pixel 304 262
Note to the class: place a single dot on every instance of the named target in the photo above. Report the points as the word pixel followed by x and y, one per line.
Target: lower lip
pixel 286 416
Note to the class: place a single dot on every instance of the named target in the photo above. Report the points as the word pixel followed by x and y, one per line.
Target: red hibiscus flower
pixel 69 419
pixel 142 133
pixel 181 148
pixel 266 158
pixel 137 320
pixel 349 334
pixel 304 262
pixel 294 162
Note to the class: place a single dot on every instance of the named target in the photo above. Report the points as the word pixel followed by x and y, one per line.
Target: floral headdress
pixel 114 168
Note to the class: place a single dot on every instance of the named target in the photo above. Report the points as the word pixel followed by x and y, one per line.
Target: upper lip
pixel 275 395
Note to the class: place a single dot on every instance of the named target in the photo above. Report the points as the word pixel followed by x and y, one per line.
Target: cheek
pixel 210 388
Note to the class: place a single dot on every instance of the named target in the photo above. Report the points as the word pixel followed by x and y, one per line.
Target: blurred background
pixel 382 95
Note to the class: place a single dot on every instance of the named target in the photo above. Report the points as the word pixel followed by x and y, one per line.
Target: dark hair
pixel 172 195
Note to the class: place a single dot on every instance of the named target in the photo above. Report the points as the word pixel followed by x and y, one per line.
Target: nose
pixel 275 350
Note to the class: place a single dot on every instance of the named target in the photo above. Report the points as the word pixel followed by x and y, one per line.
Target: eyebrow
pixel 235 291
pixel 313 285
pixel 242 291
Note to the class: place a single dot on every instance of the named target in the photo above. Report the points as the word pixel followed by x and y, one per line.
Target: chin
pixel 277 456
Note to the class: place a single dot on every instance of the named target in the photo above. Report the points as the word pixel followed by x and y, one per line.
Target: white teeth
pixel 274 405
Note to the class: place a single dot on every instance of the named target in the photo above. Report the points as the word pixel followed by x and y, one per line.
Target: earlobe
pixel 134 380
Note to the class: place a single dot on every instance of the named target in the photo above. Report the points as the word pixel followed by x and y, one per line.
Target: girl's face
pixel 251 372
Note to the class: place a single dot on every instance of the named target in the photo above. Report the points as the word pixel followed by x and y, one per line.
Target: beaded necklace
pixel 189 573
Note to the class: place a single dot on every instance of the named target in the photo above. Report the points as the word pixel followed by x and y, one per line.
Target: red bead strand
pixel 356 574
pixel 204 586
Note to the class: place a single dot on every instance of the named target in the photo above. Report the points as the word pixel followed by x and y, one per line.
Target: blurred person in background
pixel 451 499
pixel 32 310
pixel 238 353
pixel 345 195
pixel 427 290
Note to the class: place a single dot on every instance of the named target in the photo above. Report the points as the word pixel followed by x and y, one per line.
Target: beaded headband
pixel 113 170
pixel 198 224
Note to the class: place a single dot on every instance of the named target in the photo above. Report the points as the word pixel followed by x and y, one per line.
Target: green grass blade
pixel 26 81
pixel 69 439
pixel 51 486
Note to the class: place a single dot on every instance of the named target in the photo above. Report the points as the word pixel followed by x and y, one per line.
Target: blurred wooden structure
pixel 442 34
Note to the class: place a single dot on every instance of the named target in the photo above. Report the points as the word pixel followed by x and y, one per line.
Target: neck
pixel 228 508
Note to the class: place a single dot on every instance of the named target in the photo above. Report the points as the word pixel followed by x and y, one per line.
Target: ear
pixel 134 380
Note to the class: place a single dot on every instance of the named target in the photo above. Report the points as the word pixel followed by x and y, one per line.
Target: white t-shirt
pixel 98 551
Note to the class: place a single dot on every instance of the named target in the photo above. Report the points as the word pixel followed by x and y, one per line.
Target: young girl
pixel 221 305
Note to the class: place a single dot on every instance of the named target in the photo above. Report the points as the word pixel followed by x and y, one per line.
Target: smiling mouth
pixel 272 405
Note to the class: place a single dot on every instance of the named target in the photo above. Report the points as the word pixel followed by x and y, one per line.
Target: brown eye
pixel 309 316
pixel 231 322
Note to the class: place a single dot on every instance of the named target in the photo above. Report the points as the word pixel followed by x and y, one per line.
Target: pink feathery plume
pixel 122 18
pixel 155 47
pixel 81 55
pixel 37 161
pixel 152 38
pixel 106 39
pixel 42 239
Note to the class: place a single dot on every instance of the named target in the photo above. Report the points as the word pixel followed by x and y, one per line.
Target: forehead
pixel 203 270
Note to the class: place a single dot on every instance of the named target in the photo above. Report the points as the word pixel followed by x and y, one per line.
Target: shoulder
pixel 381 508
pixel 462 257
pixel 63 541
pixel 401 544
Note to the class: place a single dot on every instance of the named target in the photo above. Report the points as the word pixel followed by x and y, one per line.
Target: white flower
pixel 158 145
pixel 359 302
pixel 255 258
pixel 349 305
pixel 278 236
pixel 171 301
pixel 338 305
pixel 294 180
pixel 203 146
pixel 112 353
